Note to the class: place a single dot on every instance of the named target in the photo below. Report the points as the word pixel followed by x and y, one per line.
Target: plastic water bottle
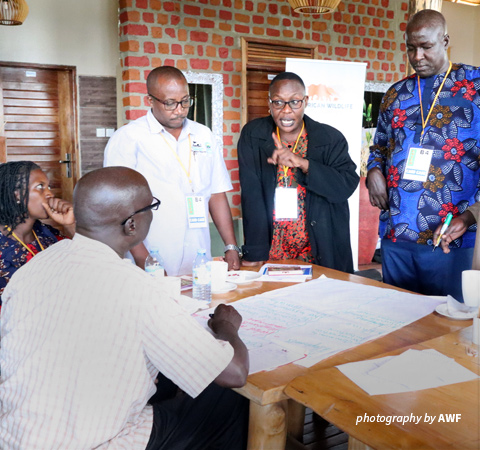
pixel 154 263
pixel 202 277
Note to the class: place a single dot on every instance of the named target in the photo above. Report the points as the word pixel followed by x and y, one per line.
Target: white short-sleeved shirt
pixel 145 145
pixel 84 334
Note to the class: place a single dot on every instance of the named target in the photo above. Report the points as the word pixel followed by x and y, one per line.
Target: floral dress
pixel 290 238
pixel 13 255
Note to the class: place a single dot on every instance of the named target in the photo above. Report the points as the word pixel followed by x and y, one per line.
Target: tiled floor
pixel 373 265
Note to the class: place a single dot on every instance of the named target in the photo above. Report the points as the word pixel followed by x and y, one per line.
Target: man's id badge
pixel 202 148
pixel 418 164
pixel 196 211
pixel 197 147
pixel 286 204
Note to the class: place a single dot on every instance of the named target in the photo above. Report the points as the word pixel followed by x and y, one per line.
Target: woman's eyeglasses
pixel 280 104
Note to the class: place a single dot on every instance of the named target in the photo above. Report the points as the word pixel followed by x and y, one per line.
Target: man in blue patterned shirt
pixel 425 162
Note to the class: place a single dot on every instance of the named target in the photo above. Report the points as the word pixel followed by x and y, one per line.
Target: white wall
pixel 464 29
pixel 81 33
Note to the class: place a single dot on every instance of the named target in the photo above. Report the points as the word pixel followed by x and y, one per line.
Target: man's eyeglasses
pixel 171 105
pixel 154 206
pixel 280 104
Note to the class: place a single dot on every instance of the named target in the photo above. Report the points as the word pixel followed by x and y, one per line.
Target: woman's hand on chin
pixel 61 211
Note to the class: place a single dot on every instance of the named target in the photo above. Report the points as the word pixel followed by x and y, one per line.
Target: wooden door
pixel 38 121
pixel 262 60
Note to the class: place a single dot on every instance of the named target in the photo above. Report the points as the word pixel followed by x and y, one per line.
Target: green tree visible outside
pixel 367 115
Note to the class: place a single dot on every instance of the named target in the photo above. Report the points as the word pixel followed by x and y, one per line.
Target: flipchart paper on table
pixel 311 321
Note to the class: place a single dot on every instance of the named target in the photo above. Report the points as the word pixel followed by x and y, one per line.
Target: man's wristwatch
pixel 232 247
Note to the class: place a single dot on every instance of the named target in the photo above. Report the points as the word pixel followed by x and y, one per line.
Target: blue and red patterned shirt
pixel 453 131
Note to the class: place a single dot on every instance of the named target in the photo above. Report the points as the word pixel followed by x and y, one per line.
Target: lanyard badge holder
pixel 286 201
pixel 418 162
pixel 196 211
pixel 286 198
pixel 286 204
pixel 417 166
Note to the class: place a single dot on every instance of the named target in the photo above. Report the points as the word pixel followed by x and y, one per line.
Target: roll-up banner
pixel 336 91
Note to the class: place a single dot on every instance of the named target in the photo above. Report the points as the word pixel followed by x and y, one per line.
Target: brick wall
pixel 204 36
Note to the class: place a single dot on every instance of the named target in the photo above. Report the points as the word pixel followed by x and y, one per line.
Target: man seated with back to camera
pixel 93 331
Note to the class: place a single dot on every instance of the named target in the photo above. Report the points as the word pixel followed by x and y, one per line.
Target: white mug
pixel 218 271
pixel 471 287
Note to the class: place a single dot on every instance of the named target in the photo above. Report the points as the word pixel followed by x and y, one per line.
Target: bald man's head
pixel 104 198
pixel 427 42
pixel 427 18
pixel 166 73
pixel 167 85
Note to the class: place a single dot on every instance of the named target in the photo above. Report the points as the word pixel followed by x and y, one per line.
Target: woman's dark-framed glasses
pixel 172 105
pixel 280 104
pixel 154 206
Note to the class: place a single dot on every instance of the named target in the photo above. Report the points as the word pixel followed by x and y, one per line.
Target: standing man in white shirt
pixel 85 332
pixel 184 167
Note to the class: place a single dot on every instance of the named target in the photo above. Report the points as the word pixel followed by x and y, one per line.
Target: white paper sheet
pixel 413 370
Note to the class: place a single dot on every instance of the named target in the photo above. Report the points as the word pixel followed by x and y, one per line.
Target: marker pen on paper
pixel 446 224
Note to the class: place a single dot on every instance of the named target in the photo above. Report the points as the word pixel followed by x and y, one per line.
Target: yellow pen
pixel 446 224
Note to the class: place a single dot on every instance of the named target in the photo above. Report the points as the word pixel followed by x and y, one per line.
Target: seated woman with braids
pixel 25 199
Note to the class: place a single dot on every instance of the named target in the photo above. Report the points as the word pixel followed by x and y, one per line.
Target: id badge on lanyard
pixel 196 214
pixel 418 163
pixel 286 204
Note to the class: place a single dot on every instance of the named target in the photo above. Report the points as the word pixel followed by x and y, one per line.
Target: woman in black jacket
pixel 296 177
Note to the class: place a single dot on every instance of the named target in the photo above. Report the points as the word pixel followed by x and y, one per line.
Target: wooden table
pixel 270 410
pixel 340 401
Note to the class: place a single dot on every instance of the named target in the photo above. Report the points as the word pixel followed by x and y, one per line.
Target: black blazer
pixel 330 181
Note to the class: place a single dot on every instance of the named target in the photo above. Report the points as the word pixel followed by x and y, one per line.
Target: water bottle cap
pixel 154 250
pixel 201 251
